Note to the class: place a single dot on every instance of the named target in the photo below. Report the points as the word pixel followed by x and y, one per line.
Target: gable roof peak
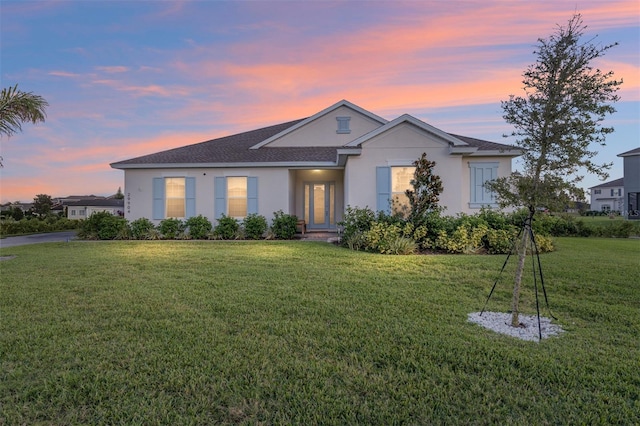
pixel 339 104
pixel 408 118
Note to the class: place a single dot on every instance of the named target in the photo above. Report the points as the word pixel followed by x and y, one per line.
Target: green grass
pixel 307 333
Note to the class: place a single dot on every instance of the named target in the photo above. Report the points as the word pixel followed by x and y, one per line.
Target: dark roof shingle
pixel 236 149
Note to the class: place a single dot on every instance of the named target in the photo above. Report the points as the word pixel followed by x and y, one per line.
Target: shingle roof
pixel 98 202
pixel 633 152
pixel 236 149
pixel 617 182
pixel 483 145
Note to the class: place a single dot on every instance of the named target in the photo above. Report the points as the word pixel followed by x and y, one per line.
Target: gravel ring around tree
pixel 528 330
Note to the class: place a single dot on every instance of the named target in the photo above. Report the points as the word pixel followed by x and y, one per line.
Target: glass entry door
pixel 319 205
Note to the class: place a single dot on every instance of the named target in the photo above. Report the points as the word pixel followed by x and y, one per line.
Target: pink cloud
pixel 64 74
pixel 113 69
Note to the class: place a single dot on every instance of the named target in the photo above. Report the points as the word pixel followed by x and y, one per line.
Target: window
pixel 174 197
pixel 73 212
pixel 616 192
pixel 343 124
pixel 597 191
pixel 606 207
pixel 634 205
pixel 391 184
pixel 479 174
pixel 401 181
pixel 235 196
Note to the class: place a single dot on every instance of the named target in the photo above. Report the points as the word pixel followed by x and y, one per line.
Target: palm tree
pixel 17 107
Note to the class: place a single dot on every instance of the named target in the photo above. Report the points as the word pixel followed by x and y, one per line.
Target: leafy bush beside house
pixel 32 225
pixel 284 225
pixel 488 231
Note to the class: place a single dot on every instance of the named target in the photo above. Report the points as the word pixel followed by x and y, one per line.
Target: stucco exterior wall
pixel 401 147
pixel 322 131
pixel 273 194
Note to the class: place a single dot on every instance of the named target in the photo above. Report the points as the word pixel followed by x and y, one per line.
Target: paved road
pixel 37 238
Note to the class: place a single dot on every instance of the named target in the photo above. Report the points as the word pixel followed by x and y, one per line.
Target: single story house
pixel 631 168
pixel 608 196
pixel 313 168
pixel 82 209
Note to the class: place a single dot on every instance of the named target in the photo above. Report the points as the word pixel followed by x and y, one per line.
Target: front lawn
pixel 211 332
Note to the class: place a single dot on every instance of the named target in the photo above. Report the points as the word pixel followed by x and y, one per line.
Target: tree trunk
pixel 522 255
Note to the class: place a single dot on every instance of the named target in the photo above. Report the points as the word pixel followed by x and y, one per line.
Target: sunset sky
pixel 128 78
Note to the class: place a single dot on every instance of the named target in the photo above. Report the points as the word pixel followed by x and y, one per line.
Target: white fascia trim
pixel 349 151
pixel 318 115
pixel 469 150
pixel 226 165
pixel 344 153
pixel 497 153
pixel 408 119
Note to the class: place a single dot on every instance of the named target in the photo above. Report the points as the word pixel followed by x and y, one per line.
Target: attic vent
pixel 343 124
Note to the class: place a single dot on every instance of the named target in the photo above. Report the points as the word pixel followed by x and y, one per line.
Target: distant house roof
pixel 617 182
pixel 631 153
pixel 98 202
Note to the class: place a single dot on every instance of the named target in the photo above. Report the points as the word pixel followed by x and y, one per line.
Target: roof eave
pixel 345 153
pixel 225 165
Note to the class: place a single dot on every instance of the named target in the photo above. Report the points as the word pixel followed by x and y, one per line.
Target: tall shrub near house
pixel 427 187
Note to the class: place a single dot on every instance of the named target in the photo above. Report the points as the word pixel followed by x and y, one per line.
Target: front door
pixel 319 205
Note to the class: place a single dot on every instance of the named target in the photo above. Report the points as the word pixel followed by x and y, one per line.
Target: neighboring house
pixel 82 209
pixel 312 168
pixel 608 196
pixel 73 198
pixel 631 167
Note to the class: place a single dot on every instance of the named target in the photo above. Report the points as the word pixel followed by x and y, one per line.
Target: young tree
pixel 556 122
pixel 427 186
pixel 42 204
pixel 17 107
pixel 119 195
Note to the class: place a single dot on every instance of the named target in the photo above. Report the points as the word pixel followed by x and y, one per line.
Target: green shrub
pixel 355 241
pixel 355 222
pixel 544 244
pixel 254 226
pixel 198 227
pixel 171 228
pixel 284 225
pixel 464 239
pixel 141 229
pixel 381 237
pixel 104 226
pixel 226 228
pixel 31 225
pixel 622 229
pixel 500 241
pixel 402 246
